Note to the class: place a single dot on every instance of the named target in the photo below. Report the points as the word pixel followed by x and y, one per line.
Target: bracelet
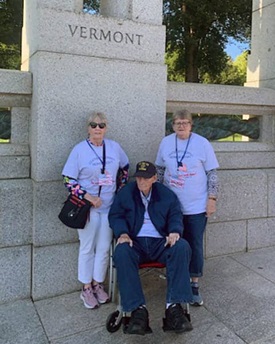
pixel 213 198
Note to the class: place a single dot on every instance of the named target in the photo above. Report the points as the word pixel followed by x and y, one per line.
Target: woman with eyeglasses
pixel 91 172
pixel 186 163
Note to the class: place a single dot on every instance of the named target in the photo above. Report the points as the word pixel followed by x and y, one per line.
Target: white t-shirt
pixel 148 229
pixel 189 181
pixel 85 163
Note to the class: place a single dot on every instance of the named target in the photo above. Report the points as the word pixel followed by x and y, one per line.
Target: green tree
pixel 197 32
pixel 234 72
pixel 11 19
pixel 241 64
pixel 92 6
pixel 171 60
pixel 9 56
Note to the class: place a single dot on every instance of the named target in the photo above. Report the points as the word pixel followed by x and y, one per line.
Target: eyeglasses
pixel 100 125
pixel 184 124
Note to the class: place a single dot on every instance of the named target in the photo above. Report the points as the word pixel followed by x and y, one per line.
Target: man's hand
pixel 125 238
pixel 171 239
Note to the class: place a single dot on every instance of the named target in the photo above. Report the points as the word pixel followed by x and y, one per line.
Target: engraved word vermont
pixel 100 35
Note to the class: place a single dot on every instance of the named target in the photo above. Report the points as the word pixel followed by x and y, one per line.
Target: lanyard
pixel 103 161
pixel 179 162
pixel 95 151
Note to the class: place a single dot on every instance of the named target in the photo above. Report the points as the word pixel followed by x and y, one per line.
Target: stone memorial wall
pixel 74 63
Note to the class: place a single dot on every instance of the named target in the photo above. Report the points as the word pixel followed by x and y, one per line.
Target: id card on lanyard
pixel 105 179
pixel 178 181
pixel 102 176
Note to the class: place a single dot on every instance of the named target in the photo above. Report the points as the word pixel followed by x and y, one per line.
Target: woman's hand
pixel 211 207
pixel 94 200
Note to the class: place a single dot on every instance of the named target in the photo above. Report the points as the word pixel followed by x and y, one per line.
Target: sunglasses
pixel 100 125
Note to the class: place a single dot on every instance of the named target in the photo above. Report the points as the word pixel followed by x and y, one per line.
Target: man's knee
pixel 182 247
pixel 122 253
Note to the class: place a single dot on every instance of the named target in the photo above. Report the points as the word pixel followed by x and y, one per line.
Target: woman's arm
pixel 212 189
pixel 122 177
pixel 212 183
pixel 73 187
pixel 160 173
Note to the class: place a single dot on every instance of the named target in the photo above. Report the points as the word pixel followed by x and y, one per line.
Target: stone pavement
pixel 239 307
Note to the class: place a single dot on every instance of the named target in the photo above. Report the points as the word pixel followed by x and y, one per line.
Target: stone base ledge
pixel 15 281
pixel 12 167
pixel 8 149
pixel 15 82
pixel 54 270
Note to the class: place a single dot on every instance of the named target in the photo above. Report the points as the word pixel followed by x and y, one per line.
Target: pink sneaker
pixel 88 297
pixel 100 293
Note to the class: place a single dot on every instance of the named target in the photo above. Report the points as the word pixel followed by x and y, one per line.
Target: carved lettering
pixel 131 39
pixel 93 33
pixel 105 36
pixel 72 31
pixel 101 35
pixel 118 37
pixel 139 38
pixel 83 31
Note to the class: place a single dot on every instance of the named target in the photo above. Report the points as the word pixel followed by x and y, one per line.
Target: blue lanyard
pixel 179 162
pixel 102 161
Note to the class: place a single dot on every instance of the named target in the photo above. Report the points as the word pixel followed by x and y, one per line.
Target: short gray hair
pixel 182 114
pixel 96 114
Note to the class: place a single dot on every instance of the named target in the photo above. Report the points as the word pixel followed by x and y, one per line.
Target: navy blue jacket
pixel 127 211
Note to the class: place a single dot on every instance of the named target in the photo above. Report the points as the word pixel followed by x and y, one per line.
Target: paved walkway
pixel 239 307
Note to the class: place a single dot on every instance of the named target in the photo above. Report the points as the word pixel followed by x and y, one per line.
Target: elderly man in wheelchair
pixel 147 223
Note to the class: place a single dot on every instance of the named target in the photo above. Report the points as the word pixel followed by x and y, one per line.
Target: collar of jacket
pixel 154 195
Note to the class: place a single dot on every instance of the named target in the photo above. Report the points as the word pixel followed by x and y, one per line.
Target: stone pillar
pixel 142 11
pixel 117 9
pixel 80 63
pixel 261 62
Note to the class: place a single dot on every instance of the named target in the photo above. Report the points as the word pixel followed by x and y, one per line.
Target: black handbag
pixel 75 212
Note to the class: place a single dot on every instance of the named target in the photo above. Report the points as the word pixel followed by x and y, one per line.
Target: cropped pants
pixel 193 231
pixel 95 240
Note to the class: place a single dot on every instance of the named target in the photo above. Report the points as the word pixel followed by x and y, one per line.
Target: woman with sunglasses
pixel 187 164
pixel 91 173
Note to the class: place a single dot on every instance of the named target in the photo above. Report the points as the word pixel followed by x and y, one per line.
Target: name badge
pixel 105 179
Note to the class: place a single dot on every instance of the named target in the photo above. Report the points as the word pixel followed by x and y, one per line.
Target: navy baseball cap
pixel 145 169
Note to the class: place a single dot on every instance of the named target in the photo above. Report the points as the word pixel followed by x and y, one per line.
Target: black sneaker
pixel 175 319
pixel 139 322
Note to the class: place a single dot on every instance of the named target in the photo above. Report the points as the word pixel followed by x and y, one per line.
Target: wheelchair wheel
pixel 111 323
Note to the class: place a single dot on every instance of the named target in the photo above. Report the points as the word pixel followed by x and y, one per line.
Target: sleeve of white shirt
pixel 123 158
pixel 71 168
pixel 159 160
pixel 211 161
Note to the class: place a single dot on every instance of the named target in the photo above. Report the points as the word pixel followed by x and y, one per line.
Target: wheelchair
pixel 119 317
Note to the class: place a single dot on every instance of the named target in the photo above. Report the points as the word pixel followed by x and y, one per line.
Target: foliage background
pixel 197 32
pixel 11 21
pixel 196 36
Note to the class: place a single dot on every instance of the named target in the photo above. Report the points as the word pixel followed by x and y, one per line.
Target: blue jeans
pixel 193 231
pixel 176 258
